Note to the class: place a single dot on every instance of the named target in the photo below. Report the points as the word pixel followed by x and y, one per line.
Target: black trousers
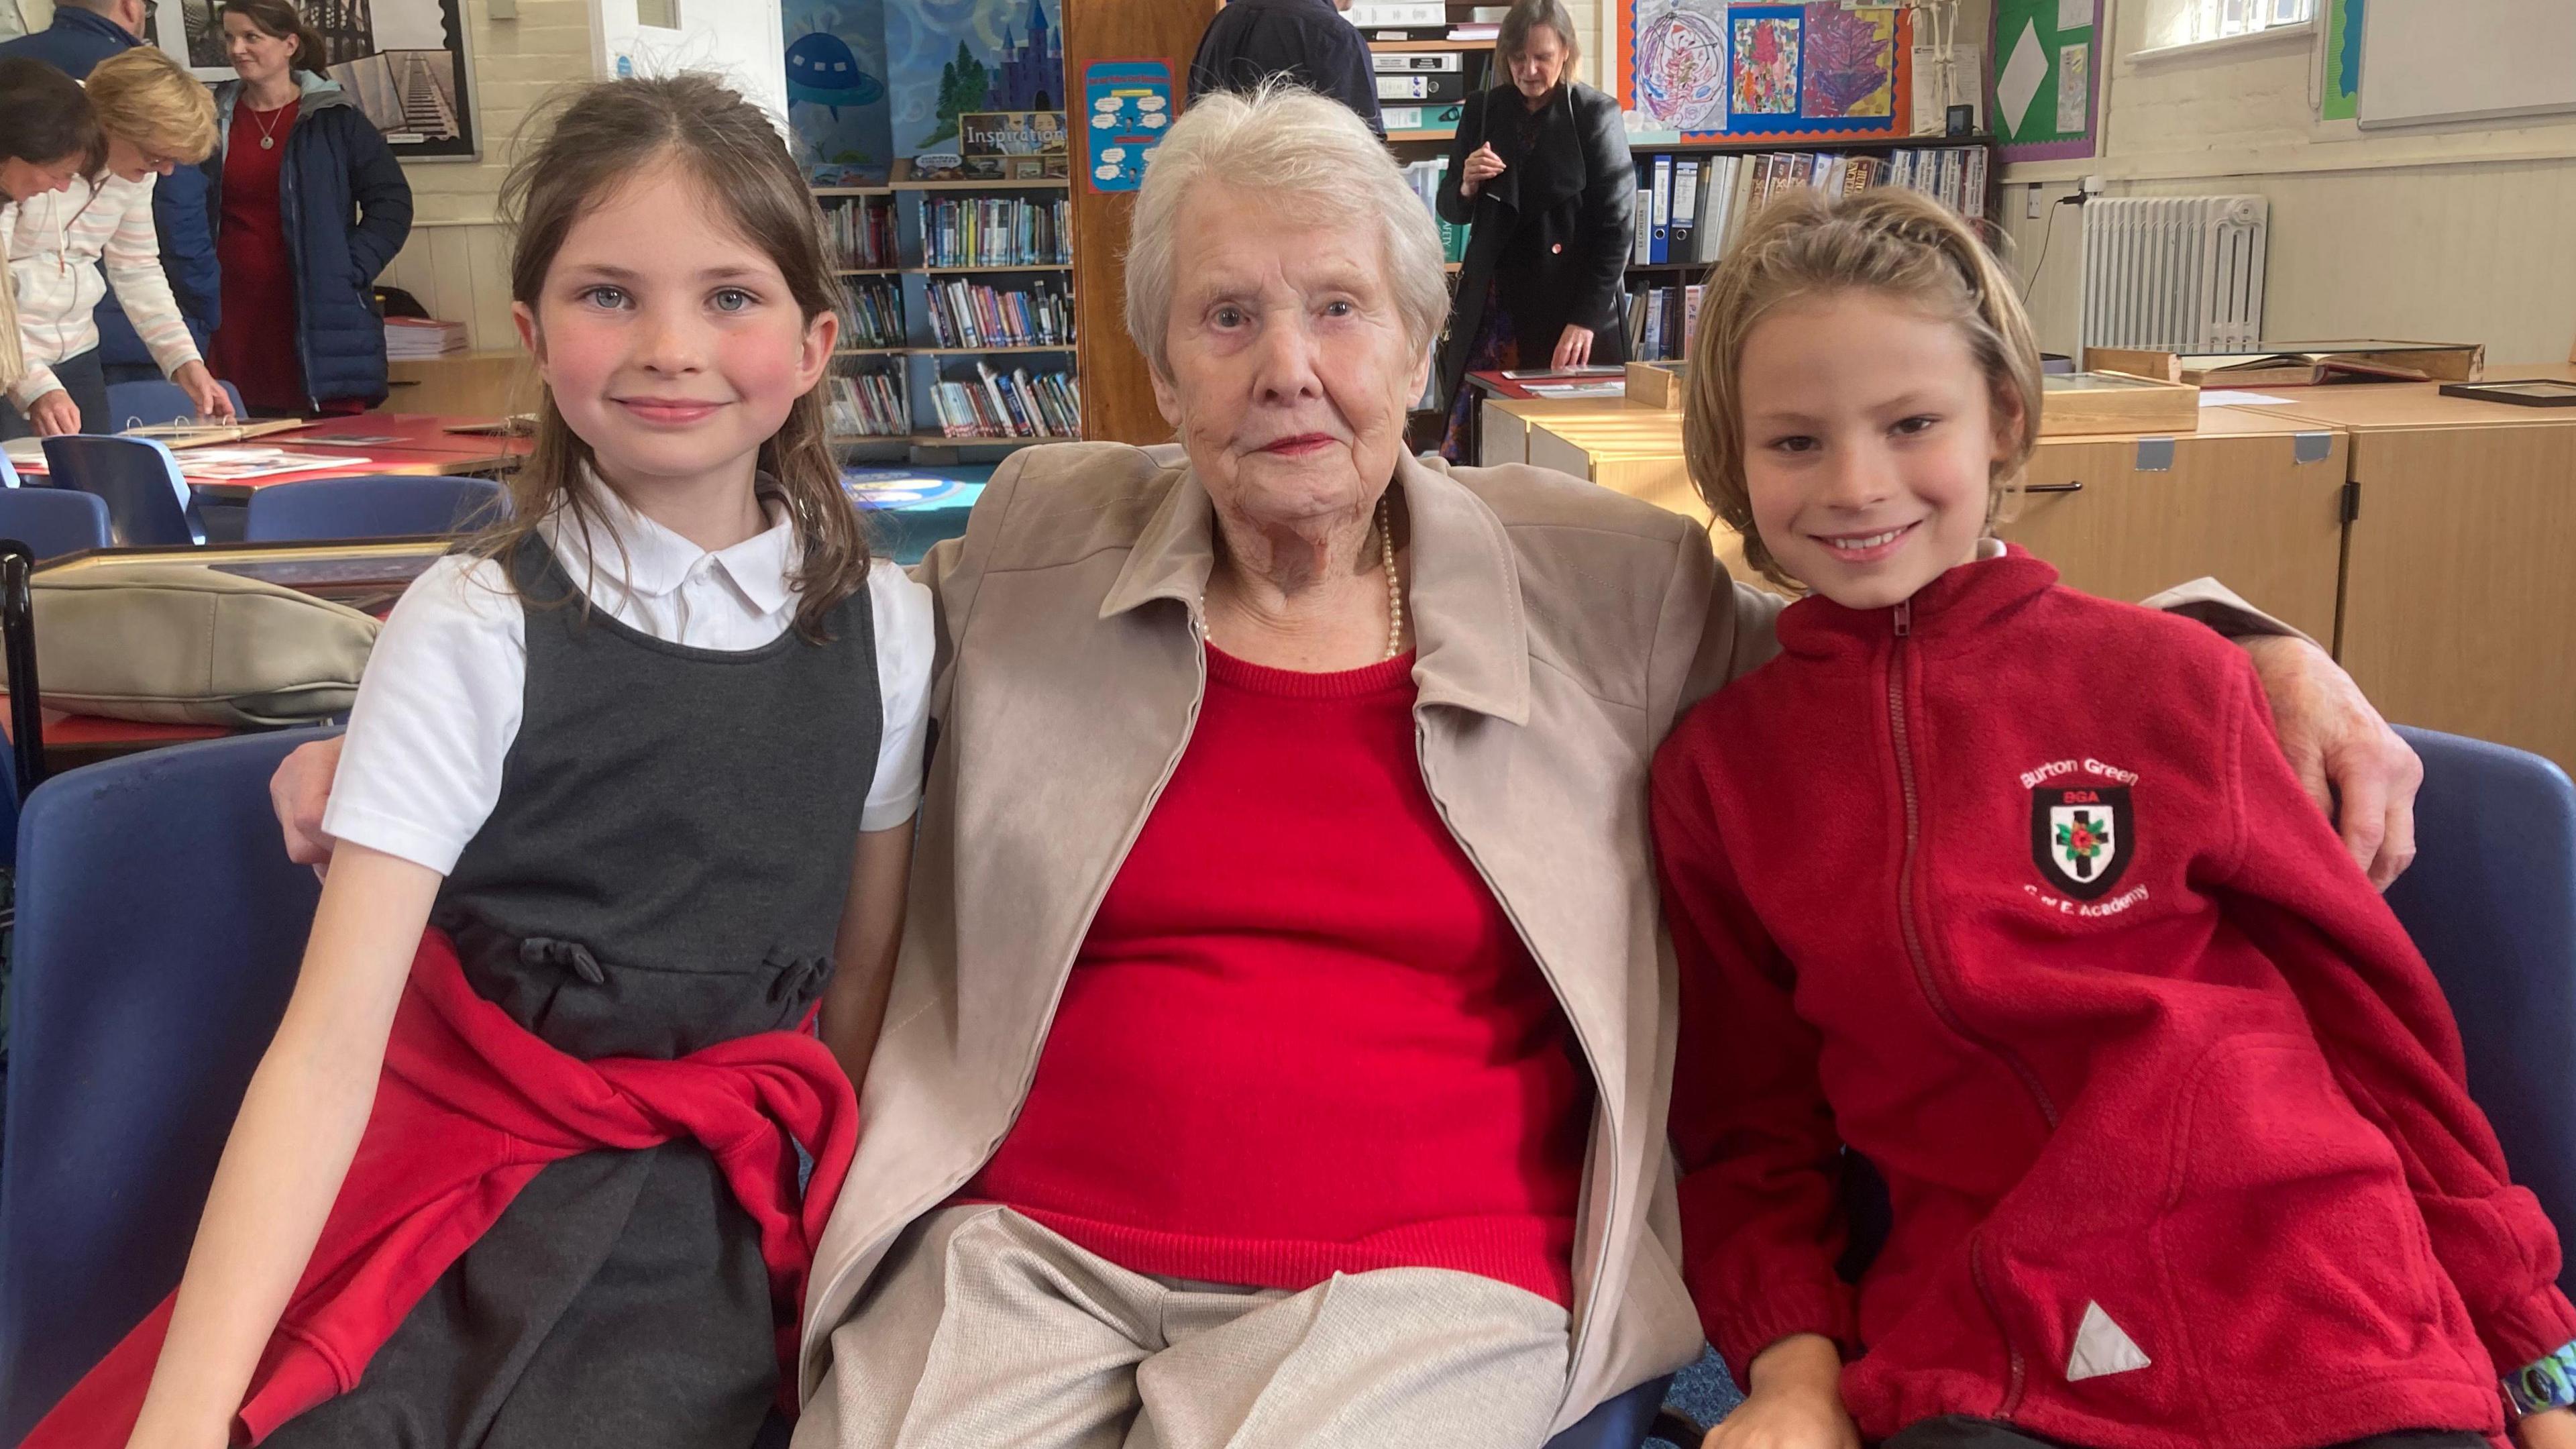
pixel 1958 1433
pixel 86 380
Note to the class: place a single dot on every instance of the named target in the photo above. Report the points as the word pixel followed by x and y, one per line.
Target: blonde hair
pixel 595 138
pixel 1307 160
pixel 1890 241
pixel 149 99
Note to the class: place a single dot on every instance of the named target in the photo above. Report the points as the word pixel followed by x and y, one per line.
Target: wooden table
pixel 2459 607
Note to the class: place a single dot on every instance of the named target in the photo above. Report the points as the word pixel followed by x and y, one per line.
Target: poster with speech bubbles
pixel 1127 109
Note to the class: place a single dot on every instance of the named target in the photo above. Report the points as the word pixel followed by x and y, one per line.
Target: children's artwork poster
pixel 1774 72
pixel 949 58
pixel 402 61
pixel 2044 99
pixel 2339 99
pixel 837 98
pixel 1127 108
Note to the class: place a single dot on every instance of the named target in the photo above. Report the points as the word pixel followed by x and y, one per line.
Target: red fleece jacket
pixel 471 1107
pixel 2010 889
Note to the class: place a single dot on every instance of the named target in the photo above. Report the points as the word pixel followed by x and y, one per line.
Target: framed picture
pixel 402 61
pixel 2537 392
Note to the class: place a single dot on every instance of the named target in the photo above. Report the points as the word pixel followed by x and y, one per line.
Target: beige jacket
pixel 1561 628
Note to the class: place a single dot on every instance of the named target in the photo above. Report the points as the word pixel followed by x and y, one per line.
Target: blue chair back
pixel 378 506
pixel 148 500
pixel 54 521
pixel 160 926
pixel 146 404
pixel 2491 902
pixel 1618 1423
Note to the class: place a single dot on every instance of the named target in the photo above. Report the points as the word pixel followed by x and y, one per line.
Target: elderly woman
pixel 1279 1047
pixel 1540 170
pixel 70 247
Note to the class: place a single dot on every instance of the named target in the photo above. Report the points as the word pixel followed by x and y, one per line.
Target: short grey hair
pixel 1308 158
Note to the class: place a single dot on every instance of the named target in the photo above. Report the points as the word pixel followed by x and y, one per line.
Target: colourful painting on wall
pixel 1766 66
pixel 836 90
pixel 1681 73
pixel 947 58
pixel 2340 97
pixel 1849 59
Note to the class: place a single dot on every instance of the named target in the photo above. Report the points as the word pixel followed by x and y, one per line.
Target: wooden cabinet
pixel 2459 609
pixel 484 384
pixel 2124 517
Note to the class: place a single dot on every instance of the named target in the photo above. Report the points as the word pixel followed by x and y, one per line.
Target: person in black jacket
pixel 309 206
pixel 1540 169
pixel 1307 41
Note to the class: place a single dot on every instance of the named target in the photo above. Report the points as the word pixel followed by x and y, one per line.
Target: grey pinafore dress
pixel 664 871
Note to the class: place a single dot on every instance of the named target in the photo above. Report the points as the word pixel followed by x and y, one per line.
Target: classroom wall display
pixel 837 99
pixel 2339 98
pixel 2047 55
pixel 945 58
pixel 402 61
pixel 1817 71
pixel 1127 108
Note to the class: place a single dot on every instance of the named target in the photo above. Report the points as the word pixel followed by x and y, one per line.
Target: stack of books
pixel 868 405
pixel 414 338
pixel 1016 405
pixel 964 314
pixel 1693 208
pixel 860 232
pixel 1661 322
pixel 872 314
pixel 996 231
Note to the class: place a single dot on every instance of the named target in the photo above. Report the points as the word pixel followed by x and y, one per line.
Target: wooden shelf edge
pixel 867 271
pixel 851 190
pixel 939 440
pixel 948 351
pixel 1390 47
pixel 1752 146
pixel 1396 136
pixel 1012 267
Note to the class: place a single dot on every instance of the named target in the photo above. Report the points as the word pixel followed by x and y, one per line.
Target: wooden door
pixel 2460 604
pixel 1117 391
pixel 2240 509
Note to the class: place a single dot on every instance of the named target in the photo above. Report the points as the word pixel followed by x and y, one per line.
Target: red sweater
pixel 1302 1038
pixel 470 1108
pixel 2010 889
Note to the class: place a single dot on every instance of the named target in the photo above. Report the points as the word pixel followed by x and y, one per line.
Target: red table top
pixel 89 730
pixel 387 442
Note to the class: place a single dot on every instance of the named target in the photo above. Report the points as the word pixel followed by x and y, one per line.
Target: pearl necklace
pixel 1394 588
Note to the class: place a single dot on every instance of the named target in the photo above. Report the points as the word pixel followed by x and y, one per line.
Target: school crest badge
pixel 2081 837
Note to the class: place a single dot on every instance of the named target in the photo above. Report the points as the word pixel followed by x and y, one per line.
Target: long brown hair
pixel 281 20
pixel 593 139
pixel 1887 240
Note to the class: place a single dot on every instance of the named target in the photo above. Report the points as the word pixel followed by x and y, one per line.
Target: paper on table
pixel 2018 85
pixel 1577 389
pixel 2222 398
pixel 2074 15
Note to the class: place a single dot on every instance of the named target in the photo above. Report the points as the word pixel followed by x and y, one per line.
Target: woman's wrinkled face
pixel 1540 66
pixel 1291 371
pixel 255 54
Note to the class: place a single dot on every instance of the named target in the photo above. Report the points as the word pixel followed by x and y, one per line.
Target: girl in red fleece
pixel 2008 890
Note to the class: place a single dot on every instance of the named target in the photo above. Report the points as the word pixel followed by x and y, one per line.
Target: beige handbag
pixel 180 643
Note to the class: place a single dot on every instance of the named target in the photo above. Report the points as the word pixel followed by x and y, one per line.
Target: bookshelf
pixel 957 305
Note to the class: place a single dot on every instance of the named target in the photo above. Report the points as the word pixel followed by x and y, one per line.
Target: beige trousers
pixel 985 1330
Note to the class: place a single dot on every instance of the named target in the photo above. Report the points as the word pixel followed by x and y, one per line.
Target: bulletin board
pixel 1722 69
pixel 2045 95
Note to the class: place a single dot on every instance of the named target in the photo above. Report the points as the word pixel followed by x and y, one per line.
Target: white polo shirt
pixel 440 702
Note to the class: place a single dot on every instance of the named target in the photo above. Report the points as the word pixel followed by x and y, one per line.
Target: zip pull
pixel 1904 617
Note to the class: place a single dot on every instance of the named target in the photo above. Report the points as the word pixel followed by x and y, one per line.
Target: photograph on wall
pixel 402 62
pixel 1681 75
pixel 837 99
pixel 950 58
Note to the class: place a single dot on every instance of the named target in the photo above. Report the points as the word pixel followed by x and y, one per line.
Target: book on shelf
pixel 1013 404
pixel 965 314
pixel 1662 321
pixel 872 313
pixel 1693 209
pixel 868 405
pixel 996 231
pixel 860 230
pixel 1425 178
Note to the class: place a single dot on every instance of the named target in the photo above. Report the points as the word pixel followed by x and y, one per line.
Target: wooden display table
pixel 2459 608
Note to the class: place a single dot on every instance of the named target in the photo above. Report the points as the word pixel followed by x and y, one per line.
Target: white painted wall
pixel 2455 232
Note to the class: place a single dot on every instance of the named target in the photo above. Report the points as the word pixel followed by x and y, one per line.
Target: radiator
pixel 2183 272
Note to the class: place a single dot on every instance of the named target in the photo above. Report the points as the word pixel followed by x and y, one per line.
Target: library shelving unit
pixel 958 313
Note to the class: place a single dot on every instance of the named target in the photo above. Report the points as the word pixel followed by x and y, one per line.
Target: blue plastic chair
pixel 130 404
pixel 376 506
pixel 2491 902
pixel 159 930
pixel 54 521
pixel 148 500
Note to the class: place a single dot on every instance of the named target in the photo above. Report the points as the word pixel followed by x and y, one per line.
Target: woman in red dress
pixel 310 206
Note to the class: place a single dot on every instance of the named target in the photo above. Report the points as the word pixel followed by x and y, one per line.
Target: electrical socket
pixel 2030 203
pixel 2095 185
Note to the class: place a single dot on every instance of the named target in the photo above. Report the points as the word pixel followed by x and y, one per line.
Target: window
pixel 2190 22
